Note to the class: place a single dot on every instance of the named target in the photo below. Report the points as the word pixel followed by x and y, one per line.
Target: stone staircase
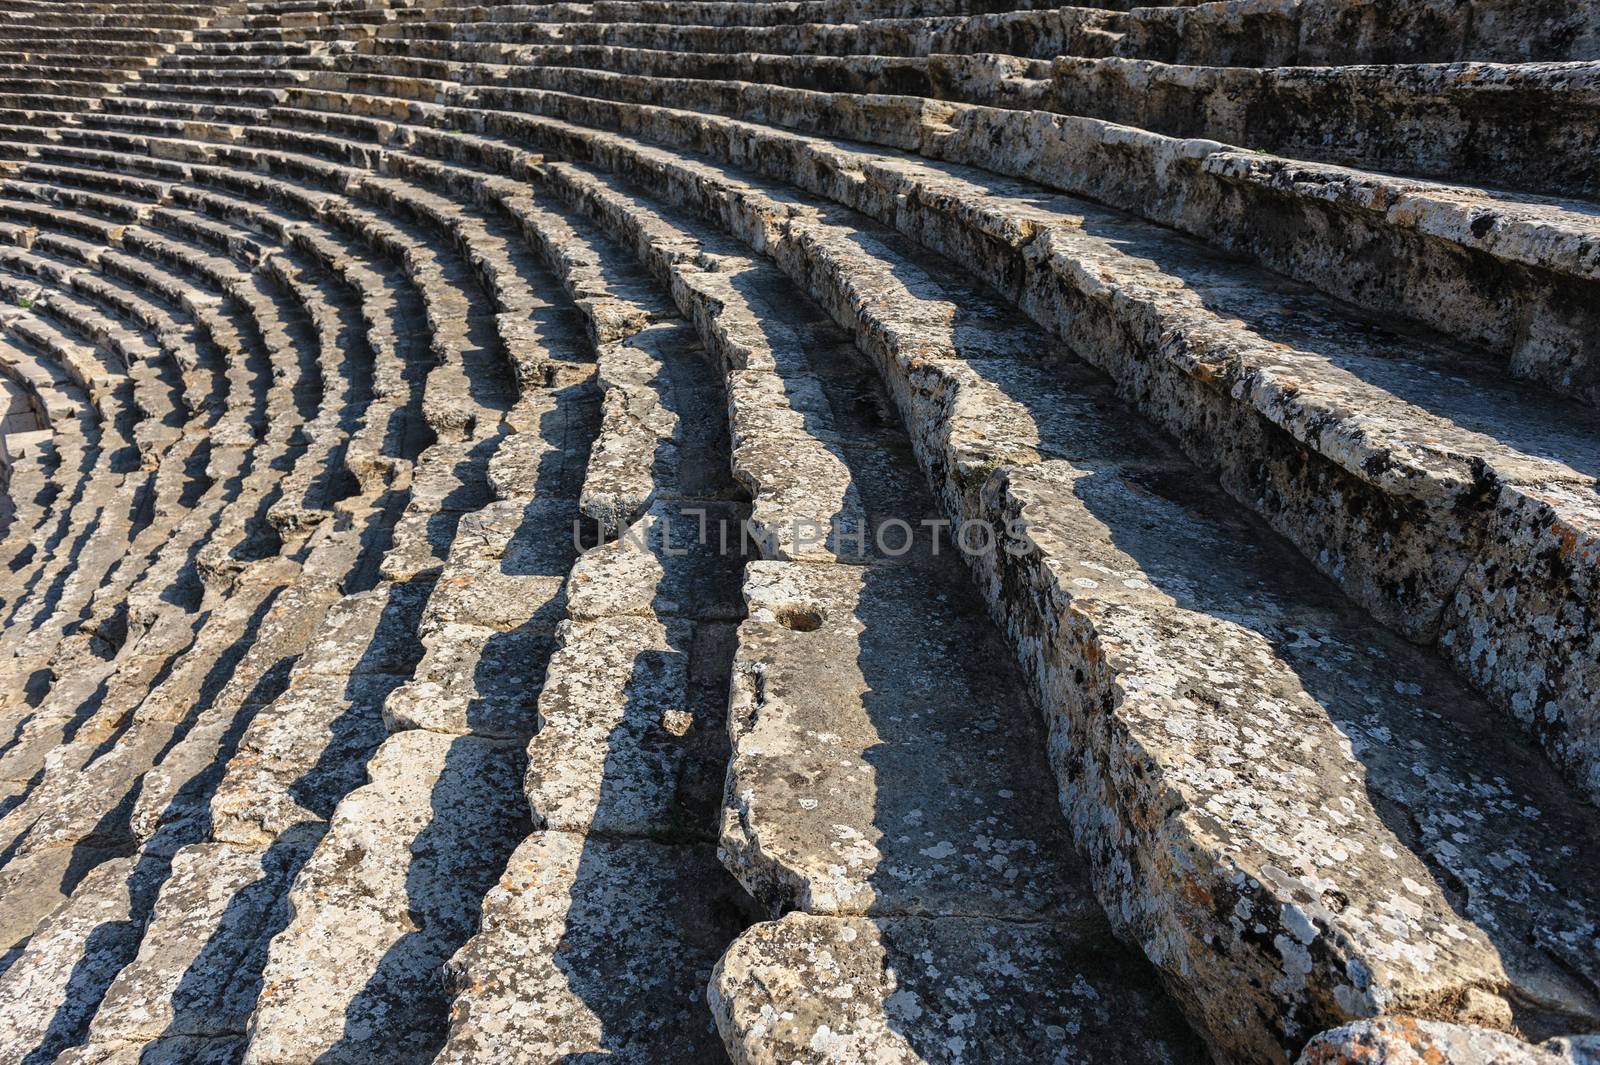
pixel 799 531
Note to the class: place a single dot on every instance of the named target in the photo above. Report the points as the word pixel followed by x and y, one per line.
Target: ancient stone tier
pixel 800 532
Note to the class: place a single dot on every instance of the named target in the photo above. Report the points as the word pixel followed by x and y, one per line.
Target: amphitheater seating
pixel 799 531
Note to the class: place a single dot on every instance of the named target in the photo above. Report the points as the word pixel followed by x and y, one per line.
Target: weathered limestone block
pixel 52 987
pixel 624 735
pixel 1299 844
pixel 491 593
pixel 198 969
pixel 1407 1041
pixel 473 681
pixel 547 456
pixel 1374 514
pixel 904 991
pixel 637 452
pixel 680 559
pixel 594 947
pixel 1271 33
pixel 389 894
pixel 872 770
pixel 300 756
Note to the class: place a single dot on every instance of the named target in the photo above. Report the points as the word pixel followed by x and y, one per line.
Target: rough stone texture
pixel 890 990
pixel 54 984
pixel 369 371
pixel 619 731
pixel 594 947
pixel 871 771
pixel 1404 1041
pixel 379 906
pixel 185 988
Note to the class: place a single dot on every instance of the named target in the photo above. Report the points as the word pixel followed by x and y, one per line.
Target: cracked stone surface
pixel 450 460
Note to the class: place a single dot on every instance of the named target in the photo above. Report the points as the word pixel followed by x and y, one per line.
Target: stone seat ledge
pixel 1472 963
pixel 722 322
pixel 1543 248
pixel 1396 483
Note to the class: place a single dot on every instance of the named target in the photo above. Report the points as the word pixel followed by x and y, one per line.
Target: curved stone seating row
pixel 1392 593
pixel 893 890
pixel 1458 253
pixel 94 470
pixel 327 565
pixel 432 488
pixel 353 322
pixel 142 420
pixel 1234 33
pixel 1162 589
pixel 260 491
pixel 267 17
pixel 1527 126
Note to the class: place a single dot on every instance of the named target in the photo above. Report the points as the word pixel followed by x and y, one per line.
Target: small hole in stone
pixel 800 618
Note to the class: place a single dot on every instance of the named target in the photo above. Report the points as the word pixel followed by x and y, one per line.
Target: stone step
pixel 205 981
pixel 1237 33
pixel 1121 532
pixel 1457 249
pixel 62 581
pixel 1045 32
pixel 268 16
pixel 103 67
pixel 813 834
pixel 1478 122
pixel 28 75
pixel 55 33
pixel 615 907
pixel 1461 248
pixel 1042 34
pixel 26 106
pixel 1455 122
pixel 1268 33
pixel 43 825
pixel 1405 1039
pixel 1557 478
pixel 1414 384
pixel 458 723
pixel 293 760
